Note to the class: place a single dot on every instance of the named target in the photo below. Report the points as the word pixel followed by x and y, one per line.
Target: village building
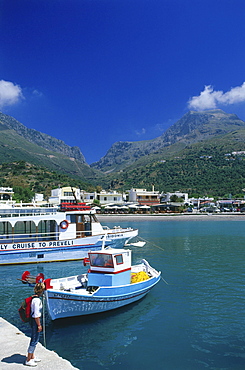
pixel 73 195
pixel 111 197
pixel 6 195
pixel 201 202
pixel 89 197
pixel 166 197
pixel 144 197
pixel 67 194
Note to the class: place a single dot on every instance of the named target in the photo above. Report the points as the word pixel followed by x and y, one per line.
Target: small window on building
pixel 105 198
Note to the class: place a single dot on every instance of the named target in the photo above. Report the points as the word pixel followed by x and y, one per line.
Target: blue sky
pixel 93 72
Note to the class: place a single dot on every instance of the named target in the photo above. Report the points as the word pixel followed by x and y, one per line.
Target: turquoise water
pixel 197 321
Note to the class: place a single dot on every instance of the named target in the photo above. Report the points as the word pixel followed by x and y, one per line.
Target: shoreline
pixel 173 217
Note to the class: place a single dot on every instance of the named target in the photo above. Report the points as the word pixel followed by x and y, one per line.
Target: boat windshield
pixel 101 260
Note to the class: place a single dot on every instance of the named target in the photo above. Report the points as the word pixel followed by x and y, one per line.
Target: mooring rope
pixel 164 281
pixel 147 241
pixel 157 246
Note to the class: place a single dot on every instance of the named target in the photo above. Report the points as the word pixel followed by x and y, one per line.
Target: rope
pixel 155 245
pixel 164 281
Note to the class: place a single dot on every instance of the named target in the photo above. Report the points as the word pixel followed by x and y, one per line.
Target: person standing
pixel 35 322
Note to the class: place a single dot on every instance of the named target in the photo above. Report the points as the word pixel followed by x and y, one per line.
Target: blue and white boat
pixel 43 234
pixel 111 282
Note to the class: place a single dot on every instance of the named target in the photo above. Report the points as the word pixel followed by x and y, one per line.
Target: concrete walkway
pixel 13 348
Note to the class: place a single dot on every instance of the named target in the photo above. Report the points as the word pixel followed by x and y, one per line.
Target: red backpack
pixel 25 309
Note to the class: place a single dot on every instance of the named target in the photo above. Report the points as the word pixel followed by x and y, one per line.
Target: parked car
pixel 225 209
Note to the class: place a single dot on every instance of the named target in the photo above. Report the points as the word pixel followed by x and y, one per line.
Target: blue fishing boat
pixel 111 282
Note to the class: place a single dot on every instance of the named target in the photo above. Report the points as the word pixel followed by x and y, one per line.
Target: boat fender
pixel 86 261
pixel 64 224
pixel 25 276
pixel 47 283
pixel 39 278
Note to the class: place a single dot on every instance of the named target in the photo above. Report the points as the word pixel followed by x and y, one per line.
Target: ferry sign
pixel 34 245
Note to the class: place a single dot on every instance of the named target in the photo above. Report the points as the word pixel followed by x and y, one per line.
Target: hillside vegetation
pixel 202 169
pixel 43 140
pixel 15 147
pixel 27 179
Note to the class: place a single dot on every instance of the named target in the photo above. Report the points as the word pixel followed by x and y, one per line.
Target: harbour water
pixel 196 321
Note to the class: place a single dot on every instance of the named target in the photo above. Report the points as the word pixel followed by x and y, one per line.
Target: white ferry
pixel 44 234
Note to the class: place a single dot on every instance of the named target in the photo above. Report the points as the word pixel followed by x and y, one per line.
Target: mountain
pixel 43 140
pixel 192 128
pixel 18 143
pixel 211 167
pixel 203 154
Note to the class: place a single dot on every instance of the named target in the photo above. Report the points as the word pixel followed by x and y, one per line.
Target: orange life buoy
pixel 64 224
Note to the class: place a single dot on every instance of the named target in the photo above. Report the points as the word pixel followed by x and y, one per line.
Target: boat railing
pixel 105 228
pixel 39 236
pixel 28 237
pixel 117 228
pixel 21 212
pixel 149 268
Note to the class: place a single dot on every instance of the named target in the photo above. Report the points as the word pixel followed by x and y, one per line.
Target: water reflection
pixel 102 338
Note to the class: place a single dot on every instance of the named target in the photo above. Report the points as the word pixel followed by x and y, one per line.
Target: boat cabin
pixel 109 267
pixel 41 224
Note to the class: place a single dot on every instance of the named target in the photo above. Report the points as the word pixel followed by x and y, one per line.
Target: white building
pixel 89 197
pixel 200 202
pixel 104 197
pixel 6 194
pixel 66 195
pixel 38 198
pixel 73 195
pixel 166 197
pixel 109 197
pixel 144 197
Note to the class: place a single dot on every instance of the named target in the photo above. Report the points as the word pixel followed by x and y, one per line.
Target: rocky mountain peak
pixel 45 141
pixel 191 128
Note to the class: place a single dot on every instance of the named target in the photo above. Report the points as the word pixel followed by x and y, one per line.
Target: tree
pixel 174 198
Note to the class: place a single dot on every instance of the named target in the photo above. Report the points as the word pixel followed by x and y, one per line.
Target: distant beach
pixel 173 217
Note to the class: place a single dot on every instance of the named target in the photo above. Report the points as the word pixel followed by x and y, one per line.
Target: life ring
pixel 64 224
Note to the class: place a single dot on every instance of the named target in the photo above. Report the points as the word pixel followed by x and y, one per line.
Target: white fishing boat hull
pixel 76 301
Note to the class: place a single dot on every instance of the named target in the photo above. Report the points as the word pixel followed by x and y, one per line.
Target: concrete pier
pixel 13 350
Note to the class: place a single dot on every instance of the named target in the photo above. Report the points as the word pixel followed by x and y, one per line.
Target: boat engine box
pixel 100 279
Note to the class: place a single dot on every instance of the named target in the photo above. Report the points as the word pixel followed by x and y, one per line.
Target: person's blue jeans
pixel 35 335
